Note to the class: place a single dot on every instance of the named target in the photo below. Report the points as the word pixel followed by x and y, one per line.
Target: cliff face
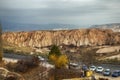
pixel 81 37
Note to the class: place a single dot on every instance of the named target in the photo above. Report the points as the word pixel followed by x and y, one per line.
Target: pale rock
pixel 78 37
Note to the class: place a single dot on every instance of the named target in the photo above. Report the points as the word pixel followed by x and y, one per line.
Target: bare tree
pixel 1 52
pixel 88 57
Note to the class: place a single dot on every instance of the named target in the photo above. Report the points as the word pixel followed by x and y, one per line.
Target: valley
pixel 103 44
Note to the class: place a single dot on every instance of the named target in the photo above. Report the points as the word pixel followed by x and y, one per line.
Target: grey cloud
pixel 63 11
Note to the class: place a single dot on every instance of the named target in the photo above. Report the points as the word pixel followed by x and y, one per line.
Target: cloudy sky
pixel 82 12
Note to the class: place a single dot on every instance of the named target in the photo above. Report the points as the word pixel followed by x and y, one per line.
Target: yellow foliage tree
pixel 57 58
pixel 62 61
pixel 53 58
pixel 59 61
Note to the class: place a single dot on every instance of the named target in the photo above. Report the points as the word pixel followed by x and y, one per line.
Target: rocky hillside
pixel 79 37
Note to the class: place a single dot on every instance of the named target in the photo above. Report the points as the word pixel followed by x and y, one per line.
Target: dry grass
pixel 10 48
pixel 59 74
pixel 34 74
pixel 2 64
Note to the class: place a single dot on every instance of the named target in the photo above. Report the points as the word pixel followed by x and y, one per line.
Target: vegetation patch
pixel 10 48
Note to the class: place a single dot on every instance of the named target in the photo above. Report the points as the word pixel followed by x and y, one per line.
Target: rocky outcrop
pixel 109 49
pixel 7 75
pixel 79 37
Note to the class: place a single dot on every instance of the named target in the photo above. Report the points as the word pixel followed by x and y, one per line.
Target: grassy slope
pixel 10 48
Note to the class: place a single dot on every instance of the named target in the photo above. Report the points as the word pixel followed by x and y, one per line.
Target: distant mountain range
pixel 114 26
pixel 31 27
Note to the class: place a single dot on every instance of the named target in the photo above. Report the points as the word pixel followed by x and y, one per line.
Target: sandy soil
pixel 109 49
pixel 109 77
pixel 115 56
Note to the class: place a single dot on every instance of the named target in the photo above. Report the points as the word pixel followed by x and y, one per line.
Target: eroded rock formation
pixel 78 37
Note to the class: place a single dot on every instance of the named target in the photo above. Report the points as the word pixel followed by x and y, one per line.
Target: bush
pixel 55 50
pixel 23 65
pixel 59 61
pixel 11 78
pixel 11 66
pixel 57 58
pixel 88 57
pixel 103 79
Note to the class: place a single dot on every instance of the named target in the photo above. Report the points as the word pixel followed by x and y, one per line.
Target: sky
pixel 80 12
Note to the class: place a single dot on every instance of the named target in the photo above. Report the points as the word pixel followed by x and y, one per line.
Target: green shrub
pixel 55 50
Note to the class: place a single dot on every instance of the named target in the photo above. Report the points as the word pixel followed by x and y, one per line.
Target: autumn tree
pixel 58 59
pixel 1 52
pixel 55 50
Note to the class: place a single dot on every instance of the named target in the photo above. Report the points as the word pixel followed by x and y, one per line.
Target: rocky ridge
pixel 78 37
